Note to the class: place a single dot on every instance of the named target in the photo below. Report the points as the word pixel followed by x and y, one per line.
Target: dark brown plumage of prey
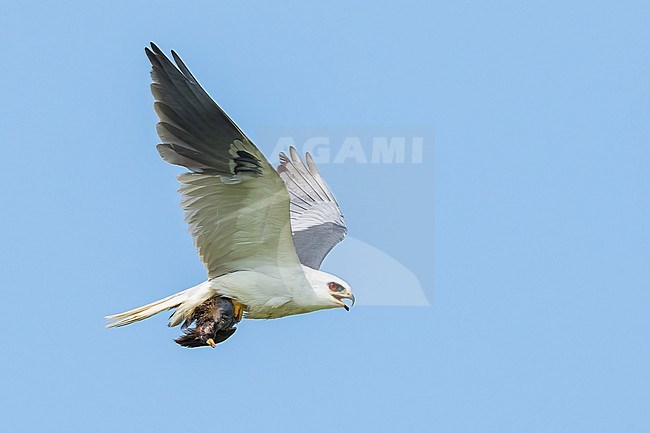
pixel 215 323
pixel 262 233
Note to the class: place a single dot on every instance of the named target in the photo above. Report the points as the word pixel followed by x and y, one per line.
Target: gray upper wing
pixel 316 219
pixel 235 203
pixel 194 130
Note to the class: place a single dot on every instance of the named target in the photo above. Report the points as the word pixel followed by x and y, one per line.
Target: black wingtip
pixel 157 54
pixel 178 60
pixel 151 56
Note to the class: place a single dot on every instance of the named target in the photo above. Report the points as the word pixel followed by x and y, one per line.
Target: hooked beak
pixel 347 295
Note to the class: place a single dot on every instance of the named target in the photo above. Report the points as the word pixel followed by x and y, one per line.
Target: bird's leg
pixel 239 310
pixel 211 343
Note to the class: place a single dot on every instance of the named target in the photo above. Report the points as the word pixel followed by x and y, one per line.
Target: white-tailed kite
pixel 261 233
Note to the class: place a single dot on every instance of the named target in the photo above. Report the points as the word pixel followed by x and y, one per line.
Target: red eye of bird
pixel 333 287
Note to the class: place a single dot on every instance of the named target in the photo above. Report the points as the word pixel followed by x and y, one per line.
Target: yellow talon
pixel 211 343
pixel 239 310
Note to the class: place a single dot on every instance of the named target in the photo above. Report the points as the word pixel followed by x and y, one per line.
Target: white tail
pixel 144 312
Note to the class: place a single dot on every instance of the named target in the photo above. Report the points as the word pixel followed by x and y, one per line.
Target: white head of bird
pixel 330 289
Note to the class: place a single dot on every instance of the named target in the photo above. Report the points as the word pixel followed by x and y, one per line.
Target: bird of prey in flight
pixel 261 232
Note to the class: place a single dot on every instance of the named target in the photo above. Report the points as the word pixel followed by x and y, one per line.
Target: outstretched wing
pixel 235 203
pixel 316 219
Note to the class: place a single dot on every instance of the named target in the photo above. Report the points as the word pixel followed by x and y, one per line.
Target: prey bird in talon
pixel 261 232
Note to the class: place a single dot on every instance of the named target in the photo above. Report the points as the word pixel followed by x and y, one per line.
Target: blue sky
pixel 525 224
